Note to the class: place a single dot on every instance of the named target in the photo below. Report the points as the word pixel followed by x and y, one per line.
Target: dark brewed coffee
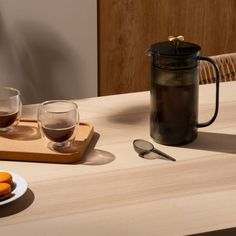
pixel 174 90
pixel 174 112
pixel 58 132
pixel 7 119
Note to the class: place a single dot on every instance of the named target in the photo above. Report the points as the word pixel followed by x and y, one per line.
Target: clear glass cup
pixel 57 120
pixel 10 108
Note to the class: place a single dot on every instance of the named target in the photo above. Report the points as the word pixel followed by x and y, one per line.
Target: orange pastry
pixel 6 177
pixel 5 188
pixel 5 191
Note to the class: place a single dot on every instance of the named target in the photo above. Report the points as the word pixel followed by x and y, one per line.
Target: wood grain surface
pixel 115 192
pixel 128 27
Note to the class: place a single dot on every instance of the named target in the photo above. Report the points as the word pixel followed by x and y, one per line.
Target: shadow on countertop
pixel 94 156
pixel 131 115
pixel 222 232
pixel 219 142
pixel 18 205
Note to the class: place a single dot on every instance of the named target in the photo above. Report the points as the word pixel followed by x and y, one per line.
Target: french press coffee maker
pixel 174 91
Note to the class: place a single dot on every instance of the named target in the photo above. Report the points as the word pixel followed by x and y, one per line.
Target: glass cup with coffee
pixel 57 120
pixel 10 108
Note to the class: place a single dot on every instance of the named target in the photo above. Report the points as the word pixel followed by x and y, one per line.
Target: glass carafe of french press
pixel 174 91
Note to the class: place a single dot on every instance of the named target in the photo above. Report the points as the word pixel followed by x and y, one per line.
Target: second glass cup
pixel 58 121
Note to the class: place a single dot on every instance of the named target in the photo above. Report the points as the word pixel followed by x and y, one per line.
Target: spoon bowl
pixel 143 147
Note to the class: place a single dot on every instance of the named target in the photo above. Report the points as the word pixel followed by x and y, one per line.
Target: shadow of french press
pixel 218 142
pixel 130 115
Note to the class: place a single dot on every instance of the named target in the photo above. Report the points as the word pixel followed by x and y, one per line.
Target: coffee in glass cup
pixel 10 108
pixel 57 120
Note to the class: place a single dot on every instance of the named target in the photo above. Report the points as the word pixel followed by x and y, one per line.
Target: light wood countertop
pixel 112 191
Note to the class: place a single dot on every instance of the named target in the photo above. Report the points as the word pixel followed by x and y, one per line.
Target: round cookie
pixel 5 188
pixel 6 177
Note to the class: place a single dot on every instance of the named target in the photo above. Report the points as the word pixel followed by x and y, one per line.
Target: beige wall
pixel 48 48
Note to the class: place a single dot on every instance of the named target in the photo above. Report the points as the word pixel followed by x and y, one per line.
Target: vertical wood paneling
pixel 128 27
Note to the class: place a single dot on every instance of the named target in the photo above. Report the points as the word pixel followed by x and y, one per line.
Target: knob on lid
pixel 176 46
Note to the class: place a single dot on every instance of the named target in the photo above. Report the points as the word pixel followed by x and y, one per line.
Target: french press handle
pixel 217 91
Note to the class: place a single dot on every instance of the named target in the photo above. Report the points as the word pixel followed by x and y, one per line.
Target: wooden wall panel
pixel 128 27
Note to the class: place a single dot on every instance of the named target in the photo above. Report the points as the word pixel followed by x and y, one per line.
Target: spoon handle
pixel 163 154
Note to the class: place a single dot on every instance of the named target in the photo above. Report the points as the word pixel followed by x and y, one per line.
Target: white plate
pixel 20 188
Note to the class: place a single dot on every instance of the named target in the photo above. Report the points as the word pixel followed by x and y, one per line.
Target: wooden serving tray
pixel 25 143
